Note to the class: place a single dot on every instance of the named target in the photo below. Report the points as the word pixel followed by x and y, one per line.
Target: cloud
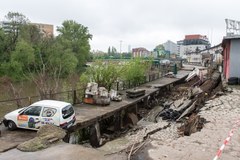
pixel 139 23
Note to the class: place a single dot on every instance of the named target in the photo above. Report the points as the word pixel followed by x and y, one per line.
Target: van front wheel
pixel 11 125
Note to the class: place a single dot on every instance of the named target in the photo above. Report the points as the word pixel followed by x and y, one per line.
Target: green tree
pixel 105 74
pixel 54 62
pixel 23 54
pixel 135 70
pixel 21 61
pixel 2 46
pixel 13 70
pixel 31 34
pixel 114 50
pixel 160 50
pixel 109 51
pixel 14 22
pixel 76 37
pixel 64 61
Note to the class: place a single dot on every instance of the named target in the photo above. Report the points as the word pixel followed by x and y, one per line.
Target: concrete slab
pixel 10 139
pixel 62 151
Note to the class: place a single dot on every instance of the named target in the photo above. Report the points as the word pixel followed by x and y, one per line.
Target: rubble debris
pixel 151 116
pixel 46 135
pixel 133 118
pixel 195 72
pixel 169 114
pixel 187 99
pixel 114 96
pixel 178 102
pixel 195 91
pixel 96 95
pixel 167 104
pixel 188 110
pixel 211 83
pixel 194 124
pixel 185 105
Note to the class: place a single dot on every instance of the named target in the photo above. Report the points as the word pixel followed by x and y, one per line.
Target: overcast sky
pixel 137 23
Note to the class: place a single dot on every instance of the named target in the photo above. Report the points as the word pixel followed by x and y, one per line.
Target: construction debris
pixel 99 95
pixel 195 72
pixel 114 96
pixel 151 116
pixel 196 95
pixel 194 124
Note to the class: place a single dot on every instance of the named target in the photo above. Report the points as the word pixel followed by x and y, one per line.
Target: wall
pixel 234 58
pixel 194 58
pixel 183 49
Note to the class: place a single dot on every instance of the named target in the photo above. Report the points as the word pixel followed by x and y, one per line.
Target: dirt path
pixel 221 113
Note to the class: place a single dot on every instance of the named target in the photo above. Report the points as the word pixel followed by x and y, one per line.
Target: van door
pixel 30 118
pixel 50 116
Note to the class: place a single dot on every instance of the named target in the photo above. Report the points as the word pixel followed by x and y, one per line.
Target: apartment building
pixel 192 43
pixel 46 29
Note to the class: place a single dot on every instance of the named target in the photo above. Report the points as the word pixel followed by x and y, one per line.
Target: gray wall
pixel 235 58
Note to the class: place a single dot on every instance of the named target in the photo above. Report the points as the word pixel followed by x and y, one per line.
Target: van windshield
pixel 67 111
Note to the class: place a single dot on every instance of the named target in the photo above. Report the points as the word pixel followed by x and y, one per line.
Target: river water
pixel 24 89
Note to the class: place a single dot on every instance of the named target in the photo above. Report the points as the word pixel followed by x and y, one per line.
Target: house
pixel 140 52
pixel 231 56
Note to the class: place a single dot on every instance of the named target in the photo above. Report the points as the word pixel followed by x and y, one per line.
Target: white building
pixel 192 43
pixel 209 55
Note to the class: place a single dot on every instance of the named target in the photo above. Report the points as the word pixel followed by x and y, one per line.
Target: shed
pixel 231 56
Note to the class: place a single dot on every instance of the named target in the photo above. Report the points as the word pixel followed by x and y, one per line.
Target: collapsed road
pixel 88 116
pixel 222 117
pixel 139 140
pixel 181 105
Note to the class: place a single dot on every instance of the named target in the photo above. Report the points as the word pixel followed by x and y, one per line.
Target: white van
pixel 40 113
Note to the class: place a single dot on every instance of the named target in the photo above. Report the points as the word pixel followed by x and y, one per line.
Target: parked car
pixel 41 113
